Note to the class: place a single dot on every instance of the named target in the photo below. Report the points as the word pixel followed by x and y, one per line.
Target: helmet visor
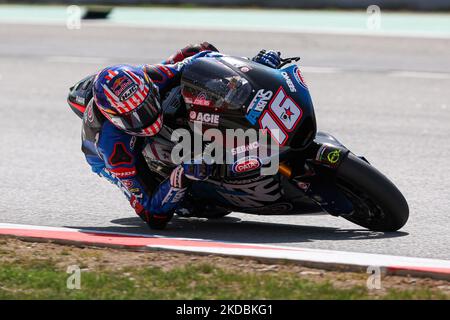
pixel 144 120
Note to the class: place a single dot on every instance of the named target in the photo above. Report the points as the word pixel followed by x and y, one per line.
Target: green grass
pixel 40 280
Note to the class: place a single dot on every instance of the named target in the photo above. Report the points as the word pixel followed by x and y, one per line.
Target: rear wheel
pixel 378 204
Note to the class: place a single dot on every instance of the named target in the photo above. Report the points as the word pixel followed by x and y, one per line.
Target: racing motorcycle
pixel 317 174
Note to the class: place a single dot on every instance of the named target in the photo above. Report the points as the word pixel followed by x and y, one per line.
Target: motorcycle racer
pixel 123 106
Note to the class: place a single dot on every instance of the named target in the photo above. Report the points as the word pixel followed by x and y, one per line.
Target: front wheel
pixel 377 203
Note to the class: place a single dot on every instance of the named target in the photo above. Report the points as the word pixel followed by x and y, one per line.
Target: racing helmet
pixel 127 97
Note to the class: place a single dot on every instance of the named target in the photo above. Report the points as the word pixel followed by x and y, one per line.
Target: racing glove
pixel 189 51
pixel 154 221
pixel 269 58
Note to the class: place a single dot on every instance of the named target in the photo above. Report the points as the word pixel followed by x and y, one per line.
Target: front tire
pixel 378 204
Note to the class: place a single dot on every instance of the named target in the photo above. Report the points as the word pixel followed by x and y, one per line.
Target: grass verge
pixel 39 271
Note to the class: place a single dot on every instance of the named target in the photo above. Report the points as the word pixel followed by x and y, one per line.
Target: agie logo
pixel 246 164
pixel 206 118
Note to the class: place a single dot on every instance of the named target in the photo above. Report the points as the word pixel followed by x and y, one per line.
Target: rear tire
pixel 378 204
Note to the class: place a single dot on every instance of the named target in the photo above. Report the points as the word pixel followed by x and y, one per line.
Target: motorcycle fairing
pixel 227 86
pixel 320 184
pixel 261 195
pixel 309 194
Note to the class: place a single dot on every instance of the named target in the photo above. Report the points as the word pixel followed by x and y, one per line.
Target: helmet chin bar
pixel 150 131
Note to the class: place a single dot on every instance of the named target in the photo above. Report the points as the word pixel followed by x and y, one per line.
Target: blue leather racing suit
pixel 117 156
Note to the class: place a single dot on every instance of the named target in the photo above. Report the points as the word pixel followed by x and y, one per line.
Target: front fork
pixel 315 175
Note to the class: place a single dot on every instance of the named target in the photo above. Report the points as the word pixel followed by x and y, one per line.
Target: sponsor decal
pixel 202 100
pixel 289 81
pixel 328 155
pixel 80 100
pixel 121 84
pixel 245 148
pixel 204 117
pixel 246 164
pixel 128 92
pixel 245 69
pixel 299 77
pixel 123 172
pixel 127 183
pixel 334 156
pixel 257 105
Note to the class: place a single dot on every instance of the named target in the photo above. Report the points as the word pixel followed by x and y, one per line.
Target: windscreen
pixel 219 84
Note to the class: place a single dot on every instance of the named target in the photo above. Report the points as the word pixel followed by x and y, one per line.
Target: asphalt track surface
pixel 387 98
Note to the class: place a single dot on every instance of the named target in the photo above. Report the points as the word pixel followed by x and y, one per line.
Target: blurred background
pixel 378 73
pixel 301 4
